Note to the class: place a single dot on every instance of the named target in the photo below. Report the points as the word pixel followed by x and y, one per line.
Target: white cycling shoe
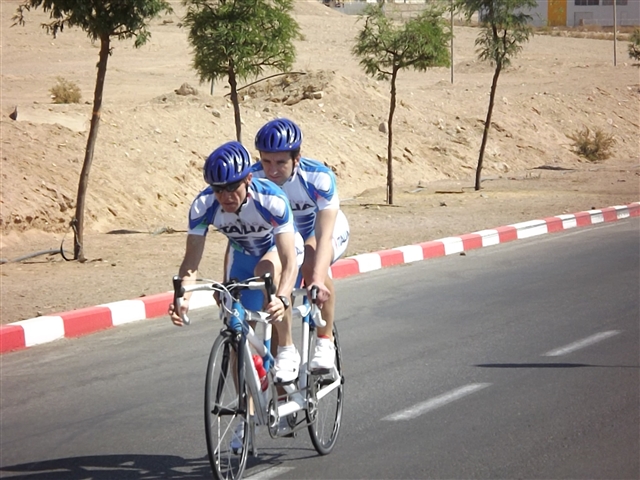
pixel 237 442
pixel 287 364
pixel 324 356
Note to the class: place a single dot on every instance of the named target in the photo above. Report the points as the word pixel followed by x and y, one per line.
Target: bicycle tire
pixel 225 410
pixel 325 415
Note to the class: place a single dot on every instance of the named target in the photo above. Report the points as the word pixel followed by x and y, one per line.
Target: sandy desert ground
pixel 152 143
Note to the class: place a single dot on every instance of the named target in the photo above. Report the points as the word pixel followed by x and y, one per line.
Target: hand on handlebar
pixel 322 294
pixel 275 308
pixel 175 317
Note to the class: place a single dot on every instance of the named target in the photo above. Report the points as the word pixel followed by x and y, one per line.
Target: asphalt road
pixel 515 361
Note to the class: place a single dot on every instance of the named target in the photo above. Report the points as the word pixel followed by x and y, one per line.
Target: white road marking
pixel 581 343
pixel 435 402
pixel 270 473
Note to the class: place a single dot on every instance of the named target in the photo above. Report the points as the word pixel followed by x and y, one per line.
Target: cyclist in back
pixel 311 188
pixel 255 216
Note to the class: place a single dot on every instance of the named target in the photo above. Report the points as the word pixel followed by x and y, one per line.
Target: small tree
pixel 504 29
pixel 386 48
pixel 240 39
pixel 101 20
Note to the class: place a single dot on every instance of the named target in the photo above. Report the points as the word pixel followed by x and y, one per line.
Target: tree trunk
pixel 78 221
pixel 392 109
pixel 234 100
pixel 487 123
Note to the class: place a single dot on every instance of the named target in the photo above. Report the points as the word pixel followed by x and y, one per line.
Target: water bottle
pixel 262 373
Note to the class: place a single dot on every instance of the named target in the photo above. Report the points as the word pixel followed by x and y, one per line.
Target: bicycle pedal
pixel 286 426
pixel 278 382
pixel 320 371
pixel 326 381
pixel 289 433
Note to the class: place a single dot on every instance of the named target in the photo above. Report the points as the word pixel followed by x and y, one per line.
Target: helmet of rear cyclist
pixel 279 135
pixel 228 163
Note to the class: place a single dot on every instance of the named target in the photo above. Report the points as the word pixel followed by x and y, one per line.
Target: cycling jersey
pixel 265 213
pixel 310 189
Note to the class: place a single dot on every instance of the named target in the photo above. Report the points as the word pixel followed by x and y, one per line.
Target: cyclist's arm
pixel 188 272
pixel 225 266
pixel 286 246
pixel 193 254
pixel 325 224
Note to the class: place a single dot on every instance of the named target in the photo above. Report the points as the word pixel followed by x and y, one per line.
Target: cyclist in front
pixel 255 216
pixel 311 188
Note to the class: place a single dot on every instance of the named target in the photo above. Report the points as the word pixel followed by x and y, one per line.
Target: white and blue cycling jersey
pixel 265 213
pixel 310 189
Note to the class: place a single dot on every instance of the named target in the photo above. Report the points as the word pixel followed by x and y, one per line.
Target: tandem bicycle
pixel 237 399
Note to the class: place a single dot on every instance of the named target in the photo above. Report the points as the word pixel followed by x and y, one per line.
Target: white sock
pixel 288 348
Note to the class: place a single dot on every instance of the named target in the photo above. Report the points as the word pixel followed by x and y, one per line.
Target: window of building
pixel 618 2
pixel 592 2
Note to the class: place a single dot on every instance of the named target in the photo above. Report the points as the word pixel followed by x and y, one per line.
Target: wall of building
pixel 542 15
pixel 602 15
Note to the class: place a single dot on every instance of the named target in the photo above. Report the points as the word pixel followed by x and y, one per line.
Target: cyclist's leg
pixel 307 272
pixel 270 263
pixel 241 266
pixel 339 242
pixel 287 357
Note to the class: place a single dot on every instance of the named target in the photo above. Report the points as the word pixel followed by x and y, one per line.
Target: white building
pixel 574 13
pixel 553 13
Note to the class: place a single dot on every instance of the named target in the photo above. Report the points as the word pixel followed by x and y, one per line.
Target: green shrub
pixel 65 92
pixel 634 46
pixel 594 147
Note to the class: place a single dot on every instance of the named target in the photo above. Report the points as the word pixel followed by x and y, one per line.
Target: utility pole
pixel 452 41
pixel 615 29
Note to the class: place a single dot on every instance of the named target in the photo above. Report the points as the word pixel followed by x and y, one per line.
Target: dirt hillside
pixel 153 139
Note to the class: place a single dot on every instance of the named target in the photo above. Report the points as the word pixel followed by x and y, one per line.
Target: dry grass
pixel 596 147
pixel 65 91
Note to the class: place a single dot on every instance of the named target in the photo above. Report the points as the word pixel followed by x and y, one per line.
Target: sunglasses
pixel 229 187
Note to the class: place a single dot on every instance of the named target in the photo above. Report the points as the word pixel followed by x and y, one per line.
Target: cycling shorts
pixel 340 237
pixel 242 266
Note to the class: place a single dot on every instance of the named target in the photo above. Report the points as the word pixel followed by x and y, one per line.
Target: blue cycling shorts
pixel 242 266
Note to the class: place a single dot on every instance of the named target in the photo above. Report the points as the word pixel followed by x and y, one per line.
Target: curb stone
pixel 77 323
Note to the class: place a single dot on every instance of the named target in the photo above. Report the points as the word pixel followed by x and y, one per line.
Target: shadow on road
pixel 550 365
pixel 111 467
pixel 127 467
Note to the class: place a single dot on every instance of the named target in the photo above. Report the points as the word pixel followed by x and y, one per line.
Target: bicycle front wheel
pixel 325 399
pixel 225 412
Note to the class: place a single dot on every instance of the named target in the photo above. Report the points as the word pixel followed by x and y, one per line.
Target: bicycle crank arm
pixel 296 404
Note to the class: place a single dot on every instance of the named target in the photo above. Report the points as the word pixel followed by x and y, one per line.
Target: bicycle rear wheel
pixel 225 412
pixel 325 409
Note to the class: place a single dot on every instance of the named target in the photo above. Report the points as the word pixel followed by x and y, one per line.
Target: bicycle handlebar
pixel 310 308
pixel 257 283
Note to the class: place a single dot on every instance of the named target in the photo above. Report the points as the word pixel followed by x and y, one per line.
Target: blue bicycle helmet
pixel 279 135
pixel 228 163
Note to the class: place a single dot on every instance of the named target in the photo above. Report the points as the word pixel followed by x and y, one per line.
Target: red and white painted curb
pixel 76 323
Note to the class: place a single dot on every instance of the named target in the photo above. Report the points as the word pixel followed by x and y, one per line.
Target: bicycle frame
pixel 237 322
pixel 310 316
